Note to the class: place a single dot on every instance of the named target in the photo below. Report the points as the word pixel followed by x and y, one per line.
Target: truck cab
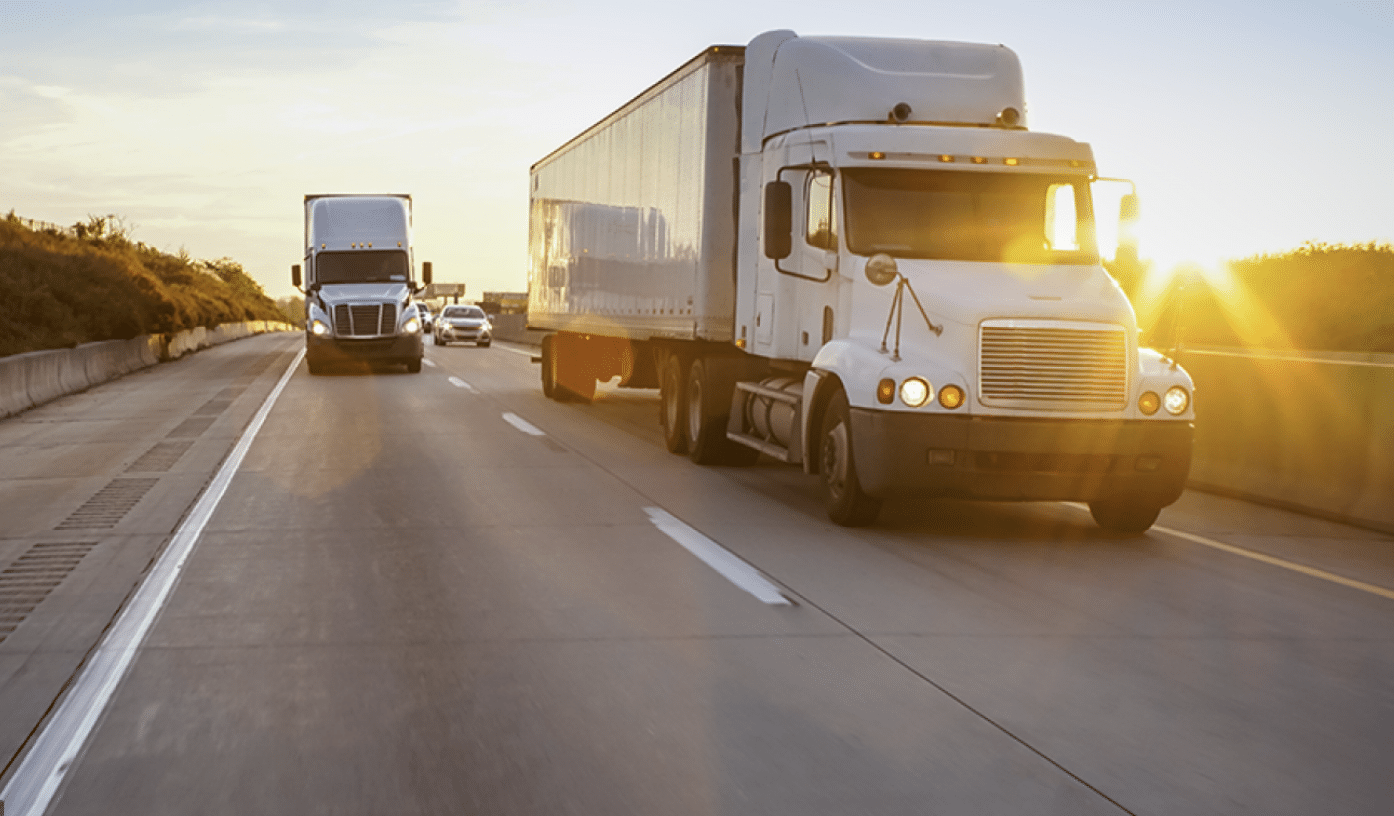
pixel 359 282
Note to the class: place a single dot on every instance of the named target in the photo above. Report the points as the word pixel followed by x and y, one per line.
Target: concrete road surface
pixel 443 593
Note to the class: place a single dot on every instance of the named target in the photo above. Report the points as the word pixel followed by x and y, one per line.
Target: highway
pixel 444 593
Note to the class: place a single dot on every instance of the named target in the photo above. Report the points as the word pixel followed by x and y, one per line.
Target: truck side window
pixel 822 229
pixel 1062 223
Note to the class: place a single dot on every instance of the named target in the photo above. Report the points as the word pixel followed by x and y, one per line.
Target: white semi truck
pixel 359 282
pixel 852 255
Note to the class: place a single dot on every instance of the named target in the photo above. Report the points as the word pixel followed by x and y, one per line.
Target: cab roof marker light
pixel 876 155
pixel 946 158
pixel 980 160
pixel 1011 162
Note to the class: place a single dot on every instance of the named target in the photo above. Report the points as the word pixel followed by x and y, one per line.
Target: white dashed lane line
pixel 728 564
pixel 459 383
pixel 523 425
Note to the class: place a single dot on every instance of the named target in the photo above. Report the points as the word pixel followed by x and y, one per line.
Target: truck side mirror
pixel 1127 253
pixel 779 220
pixel 295 275
pixel 426 272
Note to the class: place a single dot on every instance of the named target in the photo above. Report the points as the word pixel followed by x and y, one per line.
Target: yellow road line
pixel 1278 562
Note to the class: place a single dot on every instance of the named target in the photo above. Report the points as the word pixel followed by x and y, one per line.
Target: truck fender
pixel 818 388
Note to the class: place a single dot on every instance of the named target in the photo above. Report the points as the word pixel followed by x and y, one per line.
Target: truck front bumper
pixel 1020 459
pixel 330 350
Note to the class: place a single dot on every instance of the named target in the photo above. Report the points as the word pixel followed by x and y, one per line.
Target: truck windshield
pixel 361 267
pixel 968 216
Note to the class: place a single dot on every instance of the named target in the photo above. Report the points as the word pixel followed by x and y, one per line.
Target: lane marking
pixel 459 383
pixel 523 425
pixel 725 562
pixel 55 751
pixel 1279 562
pixel 428 362
pixel 517 351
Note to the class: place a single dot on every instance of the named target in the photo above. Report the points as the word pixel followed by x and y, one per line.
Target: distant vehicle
pixel 359 280
pixel 424 312
pixel 852 256
pixel 463 324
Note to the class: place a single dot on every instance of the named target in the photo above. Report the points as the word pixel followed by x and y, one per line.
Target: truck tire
pixel 672 403
pixel 564 370
pixel 708 409
pixel 847 504
pixel 1125 514
pixel 435 340
pixel 315 366
pixel 414 366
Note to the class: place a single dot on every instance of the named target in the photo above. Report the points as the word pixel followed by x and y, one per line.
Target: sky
pixel 1249 127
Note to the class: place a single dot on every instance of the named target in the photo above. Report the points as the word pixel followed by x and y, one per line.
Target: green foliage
pixel 91 282
pixel 1318 297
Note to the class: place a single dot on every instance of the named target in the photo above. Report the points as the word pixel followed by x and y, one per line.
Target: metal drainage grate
pixel 193 426
pixel 111 504
pixel 160 458
pixel 26 582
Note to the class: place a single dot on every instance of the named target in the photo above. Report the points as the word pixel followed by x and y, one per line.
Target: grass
pixel 63 287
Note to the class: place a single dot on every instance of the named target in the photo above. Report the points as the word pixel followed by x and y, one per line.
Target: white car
pixel 463 324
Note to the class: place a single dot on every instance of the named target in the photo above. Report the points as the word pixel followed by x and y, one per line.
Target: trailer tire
pixel 708 406
pixel 1125 514
pixel 414 366
pixel 672 403
pixel 847 504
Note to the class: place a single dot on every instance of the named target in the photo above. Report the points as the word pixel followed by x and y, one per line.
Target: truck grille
pixel 370 320
pixel 1053 365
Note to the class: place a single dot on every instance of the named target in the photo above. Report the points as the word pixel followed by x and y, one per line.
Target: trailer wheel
pixel 847 504
pixel 1125 515
pixel 549 373
pixel 708 407
pixel 414 366
pixel 673 403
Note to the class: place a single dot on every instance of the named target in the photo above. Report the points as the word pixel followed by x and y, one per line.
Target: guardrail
pixel 1311 431
pixel 32 379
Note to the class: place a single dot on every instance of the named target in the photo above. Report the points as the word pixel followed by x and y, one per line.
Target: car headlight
pixel 1177 400
pixel 319 328
pixel 915 392
pixel 412 326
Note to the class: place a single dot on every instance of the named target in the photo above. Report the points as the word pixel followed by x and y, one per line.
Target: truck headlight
pixel 319 328
pixel 412 326
pixel 915 392
pixel 1177 400
pixel 951 396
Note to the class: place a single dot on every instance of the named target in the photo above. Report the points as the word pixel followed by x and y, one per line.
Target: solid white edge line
pixel 523 425
pixel 725 562
pixel 1279 562
pixel 1253 555
pixel 30 791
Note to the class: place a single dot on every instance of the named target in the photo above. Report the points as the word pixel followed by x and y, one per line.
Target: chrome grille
pixel 1053 365
pixel 371 320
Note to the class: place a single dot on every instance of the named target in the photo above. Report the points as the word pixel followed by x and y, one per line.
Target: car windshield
pixel 969 216
pixel 361 267
pixel 463 311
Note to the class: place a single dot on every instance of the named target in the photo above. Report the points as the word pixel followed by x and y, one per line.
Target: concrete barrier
pixel 1304 430
pixel 31 379
pixel 513 328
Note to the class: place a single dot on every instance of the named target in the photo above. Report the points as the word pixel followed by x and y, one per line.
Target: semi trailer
pixel 852 255
pixel 359 281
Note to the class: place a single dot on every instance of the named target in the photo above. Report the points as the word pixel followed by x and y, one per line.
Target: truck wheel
pixel 316 367
pixel 708 409
pixel 414 366
pixel 673 403
pixel 847 504
pixel 1125 514
pixel 563 366
pixel 435 340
